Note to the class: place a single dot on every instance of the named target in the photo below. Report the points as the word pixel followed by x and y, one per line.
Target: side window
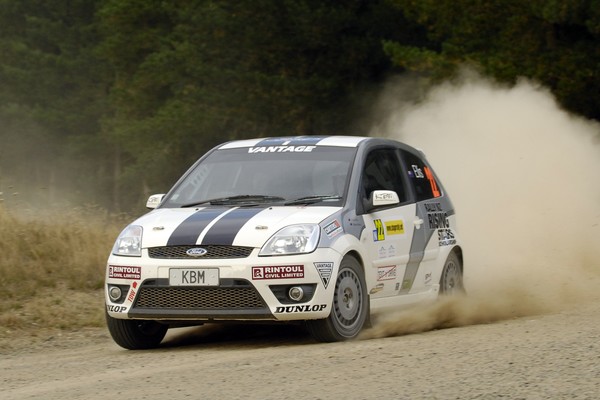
pixel 382 172
pixel 420 177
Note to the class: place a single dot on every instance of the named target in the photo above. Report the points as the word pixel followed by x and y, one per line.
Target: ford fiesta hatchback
pixel 323 230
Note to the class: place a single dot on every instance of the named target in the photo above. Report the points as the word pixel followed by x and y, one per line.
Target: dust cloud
pixel 524 177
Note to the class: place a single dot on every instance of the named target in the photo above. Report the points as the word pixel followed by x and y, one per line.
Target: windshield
pixel 236 176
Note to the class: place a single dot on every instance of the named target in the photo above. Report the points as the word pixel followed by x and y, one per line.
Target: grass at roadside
pixel 52 268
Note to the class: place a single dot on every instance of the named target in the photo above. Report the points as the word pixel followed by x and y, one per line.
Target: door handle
pixel 418 222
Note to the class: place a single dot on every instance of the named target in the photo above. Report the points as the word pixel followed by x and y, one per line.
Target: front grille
pixel 212 252
pixel 204 298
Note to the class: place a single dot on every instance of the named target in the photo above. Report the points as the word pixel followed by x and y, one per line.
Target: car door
pixel 431 224
pixel 389 230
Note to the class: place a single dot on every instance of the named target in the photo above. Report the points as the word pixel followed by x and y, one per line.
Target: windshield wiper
pixel 312 199
pixel 244 198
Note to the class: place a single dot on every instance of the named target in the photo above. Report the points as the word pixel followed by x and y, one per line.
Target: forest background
pixel 103 102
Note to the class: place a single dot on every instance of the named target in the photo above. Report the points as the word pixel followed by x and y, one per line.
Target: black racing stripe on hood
pixel 189 230
pixel 224 231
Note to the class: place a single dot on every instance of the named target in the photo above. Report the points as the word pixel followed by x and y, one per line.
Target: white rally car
pixel 324 230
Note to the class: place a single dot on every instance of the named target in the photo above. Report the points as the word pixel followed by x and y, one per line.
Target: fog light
pixel 296 293
pixel 114 292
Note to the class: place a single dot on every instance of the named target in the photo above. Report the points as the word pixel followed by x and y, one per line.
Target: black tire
pixel 451 281
pixel 350 307
pixel 136 334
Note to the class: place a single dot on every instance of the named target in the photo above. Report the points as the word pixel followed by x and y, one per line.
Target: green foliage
pixel 52 96
pixel 555 42
pixel 191 75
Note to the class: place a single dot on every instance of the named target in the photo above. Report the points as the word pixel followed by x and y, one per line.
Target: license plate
pixel 194 277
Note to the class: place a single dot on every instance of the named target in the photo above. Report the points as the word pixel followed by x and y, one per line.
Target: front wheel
pixel 350 307
pixel 136 334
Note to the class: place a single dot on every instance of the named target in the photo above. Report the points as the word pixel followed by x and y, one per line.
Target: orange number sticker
pixel 432 182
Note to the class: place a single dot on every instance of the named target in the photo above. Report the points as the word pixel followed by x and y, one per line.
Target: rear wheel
pixel 136 334
pixel 451 281
pixel 350 306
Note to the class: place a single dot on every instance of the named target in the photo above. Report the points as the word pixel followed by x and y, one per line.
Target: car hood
pixel 237 226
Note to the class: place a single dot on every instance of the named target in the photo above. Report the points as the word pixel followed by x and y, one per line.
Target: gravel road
pixel 550 356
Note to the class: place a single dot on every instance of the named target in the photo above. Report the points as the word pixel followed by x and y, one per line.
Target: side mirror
pixel 154 200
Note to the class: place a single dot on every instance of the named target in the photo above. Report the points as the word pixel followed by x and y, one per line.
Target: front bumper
pixel 244 292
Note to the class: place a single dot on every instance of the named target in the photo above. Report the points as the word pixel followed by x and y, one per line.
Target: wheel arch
pixel 357 256
pixel 459 253
pixel 360 259
pixel 349 245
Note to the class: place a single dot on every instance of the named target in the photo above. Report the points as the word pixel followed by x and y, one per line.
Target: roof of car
pixel 339 141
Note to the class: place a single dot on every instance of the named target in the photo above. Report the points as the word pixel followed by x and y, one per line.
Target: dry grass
pixel 52 268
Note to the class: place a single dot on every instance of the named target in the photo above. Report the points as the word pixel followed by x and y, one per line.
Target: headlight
pixel 293 239
pixel 129 242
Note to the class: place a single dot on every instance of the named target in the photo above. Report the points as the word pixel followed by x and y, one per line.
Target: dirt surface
pixel 551 356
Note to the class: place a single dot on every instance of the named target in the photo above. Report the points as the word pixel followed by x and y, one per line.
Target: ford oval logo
pixel 196 252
